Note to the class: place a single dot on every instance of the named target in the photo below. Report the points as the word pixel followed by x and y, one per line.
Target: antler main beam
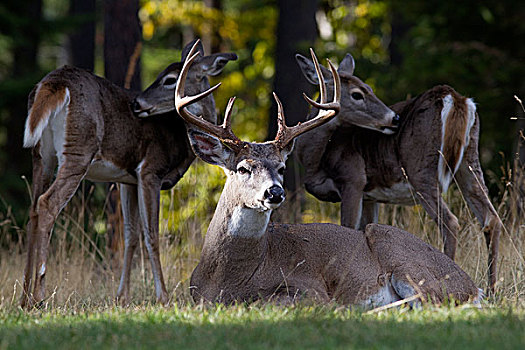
pixel 327 110
pixel 223 132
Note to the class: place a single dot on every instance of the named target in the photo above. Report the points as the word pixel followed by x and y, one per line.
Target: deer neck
pixel 236 228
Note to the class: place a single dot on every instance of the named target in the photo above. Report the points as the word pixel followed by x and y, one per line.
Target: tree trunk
pixel 211 41
pixel 82 41
pixel 296 32
pixel 122 39
pixel 122 46
pixel 24 73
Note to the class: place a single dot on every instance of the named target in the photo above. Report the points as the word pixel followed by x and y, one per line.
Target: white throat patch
pixel 248 223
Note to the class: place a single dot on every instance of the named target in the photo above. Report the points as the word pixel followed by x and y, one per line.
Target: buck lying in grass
pixel 246 258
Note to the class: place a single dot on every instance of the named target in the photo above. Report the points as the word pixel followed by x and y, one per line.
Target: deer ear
pixel 209 148
pixel 347 65
pixel 214 64
pixel 187 48
pixel 308 69
pixel 288 150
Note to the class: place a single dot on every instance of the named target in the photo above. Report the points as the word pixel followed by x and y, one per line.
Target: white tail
pixel 46 105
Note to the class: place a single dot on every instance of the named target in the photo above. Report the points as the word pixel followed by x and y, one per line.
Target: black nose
pixel 396 120
pixel 274 194
pixel 135 106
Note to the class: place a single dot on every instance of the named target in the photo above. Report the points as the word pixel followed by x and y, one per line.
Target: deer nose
pixel 396 119
pixel 135 106
pixel 274 194
pixel 140 108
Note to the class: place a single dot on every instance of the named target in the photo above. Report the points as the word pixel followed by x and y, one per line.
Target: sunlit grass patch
pixel 263 327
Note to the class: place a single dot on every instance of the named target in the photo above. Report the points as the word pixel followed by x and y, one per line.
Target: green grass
pixel 263 327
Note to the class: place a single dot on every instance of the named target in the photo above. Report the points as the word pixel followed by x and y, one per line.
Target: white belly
pixel 102 170
pixel 399 193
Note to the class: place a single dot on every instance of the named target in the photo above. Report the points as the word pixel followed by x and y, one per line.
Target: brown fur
pixel 410 259
pixel 356 163
pixel 455 133
pixel 48 98
pixel 321 262
pixel 104 141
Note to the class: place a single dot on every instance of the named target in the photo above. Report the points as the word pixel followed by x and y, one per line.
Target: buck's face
pixel 257 177
pixel 255 173
pixel 359 105
pixel 158 97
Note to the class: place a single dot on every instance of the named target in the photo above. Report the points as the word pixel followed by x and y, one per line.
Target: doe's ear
pixel 308 69
pixel 186 50
pixel 347 65
pixel 209 148
pixel 214 64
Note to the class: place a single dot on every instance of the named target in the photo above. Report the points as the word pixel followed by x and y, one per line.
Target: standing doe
pixel 436 142
pixel 246 258
pixel 85 124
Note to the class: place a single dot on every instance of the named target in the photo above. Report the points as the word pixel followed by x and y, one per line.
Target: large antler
pixel 327 110
pixel 223 132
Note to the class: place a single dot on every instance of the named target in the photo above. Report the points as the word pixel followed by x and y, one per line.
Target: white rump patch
pixel 31 139
pixel 444 173
pixel 248 223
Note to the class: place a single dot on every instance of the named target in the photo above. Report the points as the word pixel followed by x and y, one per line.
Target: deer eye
pixel 242 170
pixel 170 81
pixel 357 96
pixel 280 171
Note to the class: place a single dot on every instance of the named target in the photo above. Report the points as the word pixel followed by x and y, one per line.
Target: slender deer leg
pixel 130 211
pixel 50 204
pixel 438 210
pixel 470 181
pixel 352 189
pixel 149 196
pixel 43 172
pixel 351 206
pixel 369 214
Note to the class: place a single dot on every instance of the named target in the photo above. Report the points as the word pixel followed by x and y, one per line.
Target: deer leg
pixel 49 205
pixel 447 222
pixel 130 212
pixel 322 186
pixel 149 197
pixel 43 171
pixel 369 214
pixel 470 180
pixel 352 202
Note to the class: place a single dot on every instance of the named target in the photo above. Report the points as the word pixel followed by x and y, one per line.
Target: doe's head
pixel 158 97
pixel 359 105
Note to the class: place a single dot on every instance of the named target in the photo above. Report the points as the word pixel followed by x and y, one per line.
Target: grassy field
pixel 263 327
pixel 82 281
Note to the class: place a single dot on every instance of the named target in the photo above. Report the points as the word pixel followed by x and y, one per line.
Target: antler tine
pixel 281 120
pixel 322 86
pixel 327 110
pixel 223 132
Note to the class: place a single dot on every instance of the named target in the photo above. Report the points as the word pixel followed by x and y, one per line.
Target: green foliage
pixel 246 29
